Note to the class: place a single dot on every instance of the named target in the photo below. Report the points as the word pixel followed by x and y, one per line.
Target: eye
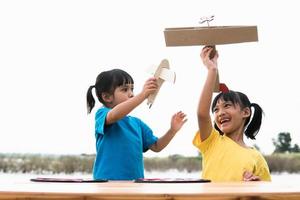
pixel 215 110
pixel 227 105
pixel 124 89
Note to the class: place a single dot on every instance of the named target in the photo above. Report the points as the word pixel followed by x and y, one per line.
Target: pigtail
pixel 254 125
pixel 90 99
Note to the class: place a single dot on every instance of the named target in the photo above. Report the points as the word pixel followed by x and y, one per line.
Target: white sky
pixel 52 51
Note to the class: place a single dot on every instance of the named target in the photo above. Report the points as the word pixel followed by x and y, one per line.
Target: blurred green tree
pixel 283 144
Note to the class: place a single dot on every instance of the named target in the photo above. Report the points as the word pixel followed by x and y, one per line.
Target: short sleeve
pixel 204 145
pixel 262 168
pixel 100 118
pixel 147 136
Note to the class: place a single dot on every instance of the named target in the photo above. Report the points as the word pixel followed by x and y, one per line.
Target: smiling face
pixel 229 117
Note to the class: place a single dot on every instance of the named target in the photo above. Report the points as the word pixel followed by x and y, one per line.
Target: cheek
pixel 215 116
pixel 124 97
pixel 216 119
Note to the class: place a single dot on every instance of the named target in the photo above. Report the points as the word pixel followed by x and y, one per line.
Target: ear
pixel 246 112
pixel 108 98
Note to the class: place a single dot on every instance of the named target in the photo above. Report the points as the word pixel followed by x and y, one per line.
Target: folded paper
pixel 161 73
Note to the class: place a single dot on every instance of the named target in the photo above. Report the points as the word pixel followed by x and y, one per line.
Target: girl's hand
pixel 178 119
pixel 150 87
pixel 209 63
pixel 249 176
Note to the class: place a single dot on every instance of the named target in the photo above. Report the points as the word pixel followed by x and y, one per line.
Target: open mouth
pixel 224 121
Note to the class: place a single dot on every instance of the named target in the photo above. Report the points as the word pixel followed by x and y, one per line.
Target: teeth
pixel 224 120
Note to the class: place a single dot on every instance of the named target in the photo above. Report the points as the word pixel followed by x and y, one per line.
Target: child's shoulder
pixel 136 120
pixel 256 152
pixel 102 111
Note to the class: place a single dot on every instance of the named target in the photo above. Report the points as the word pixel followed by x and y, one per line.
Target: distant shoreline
pixel 70 164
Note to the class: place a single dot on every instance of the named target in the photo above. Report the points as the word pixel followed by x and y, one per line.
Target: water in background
pixel 10 178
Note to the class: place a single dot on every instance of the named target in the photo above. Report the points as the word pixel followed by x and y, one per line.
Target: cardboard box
pixel 210 35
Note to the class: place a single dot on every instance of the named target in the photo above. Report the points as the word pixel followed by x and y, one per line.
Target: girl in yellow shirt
pixel 226 157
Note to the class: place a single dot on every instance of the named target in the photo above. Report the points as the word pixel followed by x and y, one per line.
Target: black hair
pixel 107 82
pixel 242 100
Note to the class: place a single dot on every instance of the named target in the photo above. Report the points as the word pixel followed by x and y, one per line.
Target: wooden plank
pixel 129 190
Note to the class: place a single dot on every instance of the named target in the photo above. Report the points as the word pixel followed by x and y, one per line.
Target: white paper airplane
pixel 161 73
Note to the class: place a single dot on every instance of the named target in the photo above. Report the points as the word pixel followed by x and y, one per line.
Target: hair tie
pixel 253 105
pixel 223 88
pixel 91 87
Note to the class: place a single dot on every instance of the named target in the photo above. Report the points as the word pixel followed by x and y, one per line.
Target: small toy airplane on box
pixel 163 73
pixel 210 36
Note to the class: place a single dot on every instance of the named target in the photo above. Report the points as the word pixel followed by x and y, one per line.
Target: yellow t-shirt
pixel 225 160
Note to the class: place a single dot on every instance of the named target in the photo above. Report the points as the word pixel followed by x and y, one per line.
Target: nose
pixel 130 94
pixel 221 113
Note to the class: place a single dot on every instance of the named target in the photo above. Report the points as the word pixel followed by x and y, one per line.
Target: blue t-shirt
pixel 120 147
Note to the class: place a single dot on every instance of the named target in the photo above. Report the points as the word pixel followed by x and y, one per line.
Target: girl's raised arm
pixel 122 109
pixel 204 119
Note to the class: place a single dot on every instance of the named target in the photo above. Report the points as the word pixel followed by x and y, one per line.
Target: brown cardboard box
pixel 210 35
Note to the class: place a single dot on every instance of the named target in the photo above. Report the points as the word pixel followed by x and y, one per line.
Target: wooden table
pixel 129 190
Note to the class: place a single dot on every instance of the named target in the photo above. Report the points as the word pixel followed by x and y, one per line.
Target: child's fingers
pixel 151 83
pixel 252 178
pixel 207 49
pixel 216 56
pixel 181 116
pixel 206 52
pixel 249 176
pixel 185 120
pixel 151 80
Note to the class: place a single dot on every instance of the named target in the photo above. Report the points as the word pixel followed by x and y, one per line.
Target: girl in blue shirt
pixel 121 139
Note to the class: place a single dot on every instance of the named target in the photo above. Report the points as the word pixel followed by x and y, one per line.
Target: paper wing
pixel 162 73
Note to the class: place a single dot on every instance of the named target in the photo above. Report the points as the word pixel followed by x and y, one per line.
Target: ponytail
pixel 90 99
pixel 255 123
